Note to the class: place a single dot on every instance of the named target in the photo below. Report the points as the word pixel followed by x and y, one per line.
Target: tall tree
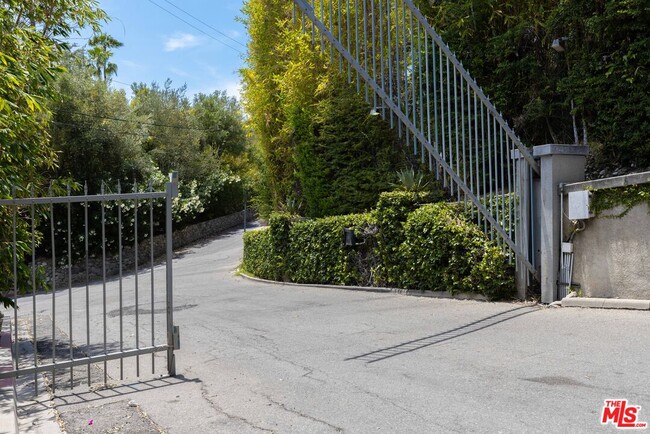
pixel 322 153
pixel 30 53
pixel 100 53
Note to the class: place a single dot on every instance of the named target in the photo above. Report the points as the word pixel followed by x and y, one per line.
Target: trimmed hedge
pixel 259 257
pixel 442 251
pixel 391 212
pixel 317 253
pixel 402 243
pixel 266 250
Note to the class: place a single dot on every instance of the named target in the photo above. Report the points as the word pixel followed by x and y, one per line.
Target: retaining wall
pixel 612 255
pixel 181 238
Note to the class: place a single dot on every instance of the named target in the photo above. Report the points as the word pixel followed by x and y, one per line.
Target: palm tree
pixel 100 53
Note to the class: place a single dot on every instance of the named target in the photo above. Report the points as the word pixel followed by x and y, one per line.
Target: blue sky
pixel 158 45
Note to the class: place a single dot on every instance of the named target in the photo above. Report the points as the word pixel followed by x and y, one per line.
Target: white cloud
pixel 180 72
pixel 180 41
pixel 233 34
pixel 233 88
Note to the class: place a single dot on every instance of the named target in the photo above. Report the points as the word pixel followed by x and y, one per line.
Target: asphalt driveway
pixel 259 357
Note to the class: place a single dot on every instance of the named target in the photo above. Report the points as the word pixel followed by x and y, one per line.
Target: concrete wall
pixel 612 255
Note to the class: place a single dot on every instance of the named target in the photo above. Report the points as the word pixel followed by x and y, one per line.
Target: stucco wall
pixel 612 255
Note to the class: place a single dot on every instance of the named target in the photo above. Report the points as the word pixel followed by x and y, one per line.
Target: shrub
pixel 444 252
pixel 266 250
pixel 432 248
pixel 391 213
pixel 259 258
pixel 317 253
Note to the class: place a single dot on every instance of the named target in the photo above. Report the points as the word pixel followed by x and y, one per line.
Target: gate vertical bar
pixel 172 188
pixel 523 183
pixel 35 334
pixel 86 232
pixel 53 293
pixel 137 293
pixel 119 262
pixel 338 8
pixel 151 259
pixel 15 265
pixel 70 287
pixel 104 279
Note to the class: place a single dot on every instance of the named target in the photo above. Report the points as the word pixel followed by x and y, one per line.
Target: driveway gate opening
pixel 109 300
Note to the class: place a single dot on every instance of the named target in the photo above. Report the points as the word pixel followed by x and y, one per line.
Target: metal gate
pixel 413 80
pixel 126 312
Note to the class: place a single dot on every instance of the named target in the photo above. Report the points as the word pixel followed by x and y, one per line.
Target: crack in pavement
pixel 215 406
pixel 303 415
pixel 404 409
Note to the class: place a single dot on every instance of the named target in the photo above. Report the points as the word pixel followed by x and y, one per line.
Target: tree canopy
pixel 595 92
pixel 31 48
pixel 320 151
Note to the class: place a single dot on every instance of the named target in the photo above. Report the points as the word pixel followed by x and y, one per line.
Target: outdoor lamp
pixel 559 44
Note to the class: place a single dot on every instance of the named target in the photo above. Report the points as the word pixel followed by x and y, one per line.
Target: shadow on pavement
pixel 72 398
pixel 427 341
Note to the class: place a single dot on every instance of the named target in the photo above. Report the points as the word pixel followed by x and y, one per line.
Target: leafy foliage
pixel 260 259
pixel 391 212
pixel 30 54
pixel 92 147
pixel 317 253
pixel 597 91
pixel 403 244
pixel 319 146
pixel 444 252
pixel 348 157
pixel 627 197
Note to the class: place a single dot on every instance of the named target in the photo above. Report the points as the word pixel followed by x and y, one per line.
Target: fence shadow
pixel 72 397
pixel 427 341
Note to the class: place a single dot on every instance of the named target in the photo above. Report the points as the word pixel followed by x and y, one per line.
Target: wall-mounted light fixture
pixel 559 44
pixel 350 238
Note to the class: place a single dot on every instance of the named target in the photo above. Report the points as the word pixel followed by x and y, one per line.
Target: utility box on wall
pixel 579 204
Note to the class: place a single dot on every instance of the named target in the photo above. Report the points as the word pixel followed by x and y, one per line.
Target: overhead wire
pixel 204 23
pixel 149 124
pixel 194 27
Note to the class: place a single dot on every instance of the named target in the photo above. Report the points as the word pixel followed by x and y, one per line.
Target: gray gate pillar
pixel 558 164
pixel 523 232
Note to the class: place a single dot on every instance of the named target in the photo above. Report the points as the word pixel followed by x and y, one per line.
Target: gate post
pixel 172 191
pixel 523 228
pixel 558 164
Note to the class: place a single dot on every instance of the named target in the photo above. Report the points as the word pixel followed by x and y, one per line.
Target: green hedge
pixel 430 247
pixel 391 212
pixel 259 257
pixel 317 253
pixel 266 250
pixel 444 252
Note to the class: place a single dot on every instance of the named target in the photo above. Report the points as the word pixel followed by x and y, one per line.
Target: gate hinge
pixel 177 337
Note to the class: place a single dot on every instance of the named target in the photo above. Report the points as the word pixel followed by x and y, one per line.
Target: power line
pixel 121 82
pixel 68 124
pixel 194 27
pixel 205 24
pixel 150 124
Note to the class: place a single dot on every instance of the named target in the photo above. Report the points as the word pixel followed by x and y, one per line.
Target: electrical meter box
pixel 579 204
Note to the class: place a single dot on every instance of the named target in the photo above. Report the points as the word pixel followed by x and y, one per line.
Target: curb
pixel 570 301
pixel 378 289
pixel 606 303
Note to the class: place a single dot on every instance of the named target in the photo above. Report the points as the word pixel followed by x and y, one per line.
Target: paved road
pixel 259 357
